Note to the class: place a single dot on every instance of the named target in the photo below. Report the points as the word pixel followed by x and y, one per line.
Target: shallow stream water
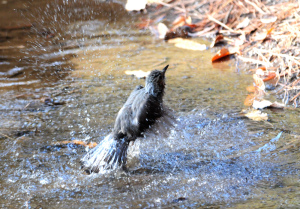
pixel 64 79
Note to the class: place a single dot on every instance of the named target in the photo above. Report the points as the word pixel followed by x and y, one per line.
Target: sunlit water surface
pixel 70 87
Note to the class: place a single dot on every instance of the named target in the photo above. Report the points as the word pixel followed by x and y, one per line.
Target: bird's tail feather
pixel 110 154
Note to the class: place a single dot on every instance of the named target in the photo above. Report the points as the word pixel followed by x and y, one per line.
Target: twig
pixel 218 22
pixel 281 55
pixel 9 28
pixel 246 59
pixel 227 16
pixel 255 6
pixel 295 97
pixel 7 136
pixel 170 6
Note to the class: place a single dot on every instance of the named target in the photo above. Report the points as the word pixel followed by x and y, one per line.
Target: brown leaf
pixel 218 39
pixel 221 53
pixel 249 100
pixel 263 68
pixel 225 52
pixel 250 89
pixel 271 76
pixel 181 21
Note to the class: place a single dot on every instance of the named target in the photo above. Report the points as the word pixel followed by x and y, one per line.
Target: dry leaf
pixel 271 75
pixel 263 68
pixel 187 44
pixel 243 24
pixel 222 53
pixel 137 73
pixel 225 52
pixel 181 20
pixel 218 39
pixel 250 89
pixel 77 142
pixel 265 103
pixel 261 104
pixel 268 19
pixel 263 36
pixel 257 115
pixel 249 100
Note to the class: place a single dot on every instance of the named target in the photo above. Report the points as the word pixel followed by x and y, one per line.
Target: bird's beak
pixel 165 69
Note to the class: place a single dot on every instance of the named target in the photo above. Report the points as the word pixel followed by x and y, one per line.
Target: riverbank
pixel 264 35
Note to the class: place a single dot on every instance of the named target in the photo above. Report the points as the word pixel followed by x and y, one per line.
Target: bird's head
pixel 155 82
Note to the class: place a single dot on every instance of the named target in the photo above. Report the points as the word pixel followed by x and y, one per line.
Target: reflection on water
pixel 214 157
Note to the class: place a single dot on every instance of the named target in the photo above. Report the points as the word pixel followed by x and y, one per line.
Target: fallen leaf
pixel 137 73
pixel 263 68
pixel 243 24
pixel 225 52
pixel 250 89
pixel 218 39
pixel 256 115
pixel 92 144
pixel 265 103
pixel 272 78
pixel 77 142
pixel 268 19
pixel 249 100
pixel 181 20
pixel 261 104
pixel 187 44
pixel 221 53
pixel 263 36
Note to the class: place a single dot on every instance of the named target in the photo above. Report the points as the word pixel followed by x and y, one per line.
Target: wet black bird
pixel 143 108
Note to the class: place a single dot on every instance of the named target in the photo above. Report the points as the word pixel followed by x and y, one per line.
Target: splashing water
pixel 110 154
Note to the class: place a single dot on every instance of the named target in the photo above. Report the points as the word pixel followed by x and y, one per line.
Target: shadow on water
pixel 63 79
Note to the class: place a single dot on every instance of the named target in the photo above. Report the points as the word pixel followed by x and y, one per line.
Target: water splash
pixel 110 154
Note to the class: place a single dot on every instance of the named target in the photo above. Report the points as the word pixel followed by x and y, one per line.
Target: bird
pixel 142 110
